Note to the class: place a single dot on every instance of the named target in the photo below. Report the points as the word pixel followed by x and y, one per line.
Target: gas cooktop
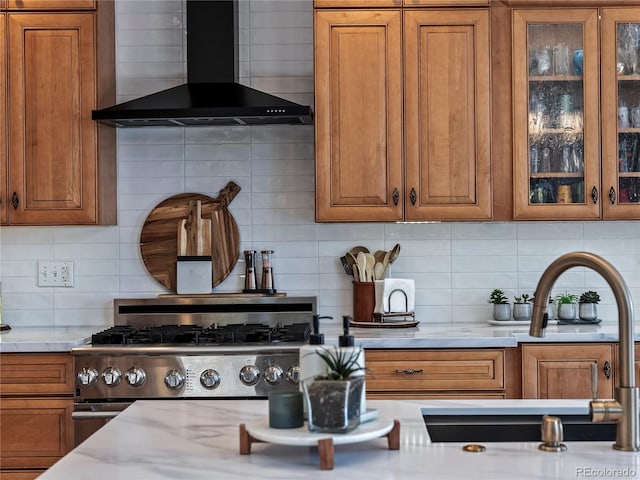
pixel 253 333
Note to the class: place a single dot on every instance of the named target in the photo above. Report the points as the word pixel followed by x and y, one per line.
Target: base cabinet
pixel 566 370
pixel 437 374
pixel 36 402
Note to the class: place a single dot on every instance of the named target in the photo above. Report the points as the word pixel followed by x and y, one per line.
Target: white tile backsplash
pixel 455 265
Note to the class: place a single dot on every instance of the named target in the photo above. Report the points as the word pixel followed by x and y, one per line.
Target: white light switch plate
pixel 55 274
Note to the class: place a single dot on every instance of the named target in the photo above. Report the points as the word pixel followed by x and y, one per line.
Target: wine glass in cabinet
pixel 621 112
pixel 556 123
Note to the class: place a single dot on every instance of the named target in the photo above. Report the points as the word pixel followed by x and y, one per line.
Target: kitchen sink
pixel 510 426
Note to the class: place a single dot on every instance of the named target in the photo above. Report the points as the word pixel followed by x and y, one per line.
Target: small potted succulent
pixel 501 306
pixel 567 307
pixel 587 306
pixel 522 309
pixel 333 400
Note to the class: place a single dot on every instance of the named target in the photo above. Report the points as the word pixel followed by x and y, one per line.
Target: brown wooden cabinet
pixel 36 430
pixel 60 164
pixel 419 373
pixel 3 116
pixel 367 169
pixel 565 370
pixel 570 77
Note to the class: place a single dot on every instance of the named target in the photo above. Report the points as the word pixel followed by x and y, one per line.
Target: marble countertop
pixel 44 339
pixel 199 439
pixel 473 335
pixel 425 335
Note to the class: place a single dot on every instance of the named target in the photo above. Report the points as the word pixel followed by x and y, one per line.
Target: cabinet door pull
pixel 408 371
pixel 594 194
pixel 395 196
pixel 413 196
pixel 607 369
pixel 612 196
pixel 14 200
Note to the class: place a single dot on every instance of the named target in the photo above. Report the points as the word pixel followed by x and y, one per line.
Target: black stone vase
pixel 333 406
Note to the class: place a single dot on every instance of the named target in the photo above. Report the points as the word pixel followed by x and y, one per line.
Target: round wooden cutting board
pixel 159 236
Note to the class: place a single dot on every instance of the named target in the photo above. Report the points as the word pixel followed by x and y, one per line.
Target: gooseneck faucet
pixel 624 409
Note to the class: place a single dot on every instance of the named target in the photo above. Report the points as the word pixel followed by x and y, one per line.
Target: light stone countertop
pixel 425 335
pixel 473 335
pixel 44 339
pixel 199 439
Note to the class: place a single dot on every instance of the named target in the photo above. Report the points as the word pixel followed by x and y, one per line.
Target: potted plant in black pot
pixel 587 306
pixel 333 400
pixel 501 306
pixel 567 307
pixel 522 309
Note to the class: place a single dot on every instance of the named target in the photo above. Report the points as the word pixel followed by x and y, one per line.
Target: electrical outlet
pixel 55 274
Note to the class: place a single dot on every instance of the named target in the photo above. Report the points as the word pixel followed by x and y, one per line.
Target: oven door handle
pixel 86 415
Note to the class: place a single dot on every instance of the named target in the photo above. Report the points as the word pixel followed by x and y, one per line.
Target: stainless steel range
pixel 191 347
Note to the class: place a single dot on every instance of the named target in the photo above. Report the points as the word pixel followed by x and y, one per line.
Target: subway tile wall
pixel 455 265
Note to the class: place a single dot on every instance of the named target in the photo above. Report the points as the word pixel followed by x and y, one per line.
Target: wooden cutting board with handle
pixel 208 221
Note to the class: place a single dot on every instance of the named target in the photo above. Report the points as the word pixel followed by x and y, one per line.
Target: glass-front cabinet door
pixel 620 71
pixel 556 121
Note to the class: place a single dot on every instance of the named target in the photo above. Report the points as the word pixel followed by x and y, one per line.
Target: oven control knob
pixel 293 374
pixel 210 379
pixel 249 375
pixel 174 379
pixel 135 376
pixel 87 376
pixel 273 374
pixel 112 376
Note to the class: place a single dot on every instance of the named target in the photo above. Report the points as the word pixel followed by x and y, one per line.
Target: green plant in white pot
pixel 333 400
pixel 567 307
pixel 501 306
pixel 587 306
pixel 522 309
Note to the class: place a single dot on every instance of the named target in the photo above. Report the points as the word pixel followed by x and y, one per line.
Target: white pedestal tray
pixel 259 431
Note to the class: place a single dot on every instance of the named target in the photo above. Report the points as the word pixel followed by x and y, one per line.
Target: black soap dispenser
pixel 311 364
pixel 346 342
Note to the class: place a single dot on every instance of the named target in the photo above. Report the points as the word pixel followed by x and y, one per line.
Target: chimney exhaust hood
pixel 211 95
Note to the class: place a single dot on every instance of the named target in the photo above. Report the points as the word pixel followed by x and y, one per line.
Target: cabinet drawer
pixel 51 5
pixel 445 3
pixel 34 433
pixel 356 3
pixel 36 374
pixel 429 370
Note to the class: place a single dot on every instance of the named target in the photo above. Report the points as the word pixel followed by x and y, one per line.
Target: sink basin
pixel 509 425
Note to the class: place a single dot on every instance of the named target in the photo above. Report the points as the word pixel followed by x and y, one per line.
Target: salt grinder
pixel 267 271
pixel 250 271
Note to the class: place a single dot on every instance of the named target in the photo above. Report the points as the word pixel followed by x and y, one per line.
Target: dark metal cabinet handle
pixel 396 196
pixel 607 369
pixel 408 371
pixel 612 196
pixel 413 196
pixel 15 201
pixel 594 194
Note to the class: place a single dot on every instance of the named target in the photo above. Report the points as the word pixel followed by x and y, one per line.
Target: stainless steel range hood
pixel 212 96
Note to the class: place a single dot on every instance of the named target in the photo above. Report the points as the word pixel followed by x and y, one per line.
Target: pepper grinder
pixel 250 283
pixel 267 272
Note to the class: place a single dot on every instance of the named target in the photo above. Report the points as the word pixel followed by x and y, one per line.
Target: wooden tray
pixel 159 236
pixel 259 431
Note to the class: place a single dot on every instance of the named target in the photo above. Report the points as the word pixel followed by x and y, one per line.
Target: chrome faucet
pixel 624 409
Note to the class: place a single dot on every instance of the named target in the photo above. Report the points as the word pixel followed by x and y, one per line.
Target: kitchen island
pixel 199 439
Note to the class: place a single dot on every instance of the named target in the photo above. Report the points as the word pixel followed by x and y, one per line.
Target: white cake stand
pixel 259 431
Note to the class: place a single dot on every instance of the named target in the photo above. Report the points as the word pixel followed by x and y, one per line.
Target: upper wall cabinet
pixel 402 137
pixel 620 98
pixel 3 115
pixel 60 164
pixel 576 147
